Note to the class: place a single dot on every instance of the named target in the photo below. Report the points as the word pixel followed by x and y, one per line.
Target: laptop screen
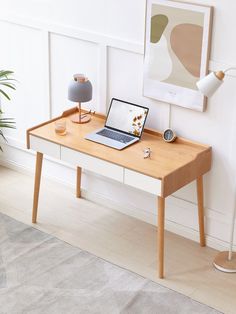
pixel 126 117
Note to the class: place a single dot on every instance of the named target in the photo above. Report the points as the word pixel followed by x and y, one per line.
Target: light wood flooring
pixel 118 238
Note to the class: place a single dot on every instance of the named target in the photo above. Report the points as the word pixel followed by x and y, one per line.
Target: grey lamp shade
pixel 80 91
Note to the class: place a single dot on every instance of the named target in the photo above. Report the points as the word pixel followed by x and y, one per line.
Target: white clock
pixel 169 136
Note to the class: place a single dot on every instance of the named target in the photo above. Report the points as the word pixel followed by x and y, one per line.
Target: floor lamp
pixel 224 261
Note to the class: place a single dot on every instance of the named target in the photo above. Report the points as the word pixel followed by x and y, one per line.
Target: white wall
pixel 46 42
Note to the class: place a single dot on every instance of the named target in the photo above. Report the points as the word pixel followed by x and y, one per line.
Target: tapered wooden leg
pixel 78 182
pixel 37 179
pixel 161 231
pixel 201 210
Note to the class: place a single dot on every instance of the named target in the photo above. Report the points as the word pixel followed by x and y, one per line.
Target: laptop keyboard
pixel 115 136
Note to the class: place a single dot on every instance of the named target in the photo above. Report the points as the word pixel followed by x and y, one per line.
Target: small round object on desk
pixel 169 136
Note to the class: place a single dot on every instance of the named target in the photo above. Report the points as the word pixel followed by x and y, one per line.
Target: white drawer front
pixel 142 182
pixel 93 164
pixel 45 147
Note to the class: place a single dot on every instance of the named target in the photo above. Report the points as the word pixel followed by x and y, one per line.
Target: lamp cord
pixel 169 122
pixel 229 69
pixel 232 235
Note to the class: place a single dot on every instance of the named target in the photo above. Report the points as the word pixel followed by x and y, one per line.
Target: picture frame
pixel 177 50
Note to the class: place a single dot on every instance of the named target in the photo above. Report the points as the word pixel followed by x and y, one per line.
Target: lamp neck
pixel 220 75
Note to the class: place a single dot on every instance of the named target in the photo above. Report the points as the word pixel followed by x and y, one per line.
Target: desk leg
pixel 201 210
pixel 37 179
pixel 78 182
pixel 161 231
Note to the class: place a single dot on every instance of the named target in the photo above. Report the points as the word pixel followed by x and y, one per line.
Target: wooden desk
pixel 172 165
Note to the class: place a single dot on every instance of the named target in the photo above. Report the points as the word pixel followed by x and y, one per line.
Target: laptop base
pixel 94 137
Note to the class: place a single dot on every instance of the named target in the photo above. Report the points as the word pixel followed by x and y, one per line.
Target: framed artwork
pixel 177 48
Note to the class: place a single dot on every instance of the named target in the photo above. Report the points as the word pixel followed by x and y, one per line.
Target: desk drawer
pixel 93 164
pixel 45 147
pixel 142 182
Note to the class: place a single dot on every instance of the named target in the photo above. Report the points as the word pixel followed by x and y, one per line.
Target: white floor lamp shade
pixel 209 84
pixel 224 261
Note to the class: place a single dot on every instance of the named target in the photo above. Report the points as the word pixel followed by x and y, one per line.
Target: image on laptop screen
pixel 126 117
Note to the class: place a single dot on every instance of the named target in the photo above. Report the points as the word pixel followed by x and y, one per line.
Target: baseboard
pixel 172 202
pixel 30 171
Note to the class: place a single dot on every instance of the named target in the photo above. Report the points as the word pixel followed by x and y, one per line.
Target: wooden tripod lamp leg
pixel 201 210
pixel 37 179
pixel 78 182
pixel 161 231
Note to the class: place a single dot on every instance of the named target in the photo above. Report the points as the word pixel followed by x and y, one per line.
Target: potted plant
pixel 6 82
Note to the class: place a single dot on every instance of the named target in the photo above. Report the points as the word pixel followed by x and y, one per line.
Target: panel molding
pixel 98 38
pixel 47 69
pixel 73 32
pixel 102 77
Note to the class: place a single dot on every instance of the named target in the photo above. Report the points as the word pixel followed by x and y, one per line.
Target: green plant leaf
pixel 7 79
pixel 1 133
pixel 5 94
pixel 5 73
pixel 4 140
pixel 6 126
pixel 12 86
pixel 7 123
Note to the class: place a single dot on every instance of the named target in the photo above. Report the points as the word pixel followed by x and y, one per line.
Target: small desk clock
pixel 169 136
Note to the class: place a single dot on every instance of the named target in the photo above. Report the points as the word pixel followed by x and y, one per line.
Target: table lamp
pixel 224 261
pixel 80 90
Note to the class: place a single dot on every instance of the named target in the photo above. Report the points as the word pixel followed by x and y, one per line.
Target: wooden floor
pixel 120 239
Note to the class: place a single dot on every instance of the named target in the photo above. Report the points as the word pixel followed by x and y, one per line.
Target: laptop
pixel 123 127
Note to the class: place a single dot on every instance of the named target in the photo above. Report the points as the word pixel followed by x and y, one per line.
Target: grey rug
pixel 41 274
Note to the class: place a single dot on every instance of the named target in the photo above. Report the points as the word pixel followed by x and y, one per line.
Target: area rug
pixel 42 274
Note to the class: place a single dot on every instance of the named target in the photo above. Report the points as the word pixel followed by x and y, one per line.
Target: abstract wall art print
pixel 177 47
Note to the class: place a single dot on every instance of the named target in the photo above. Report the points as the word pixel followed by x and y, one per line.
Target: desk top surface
pixel 165 159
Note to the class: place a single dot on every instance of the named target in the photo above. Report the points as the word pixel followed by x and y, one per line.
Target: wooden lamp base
pixel 222 262
pixel 77 118
pixel 80 117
